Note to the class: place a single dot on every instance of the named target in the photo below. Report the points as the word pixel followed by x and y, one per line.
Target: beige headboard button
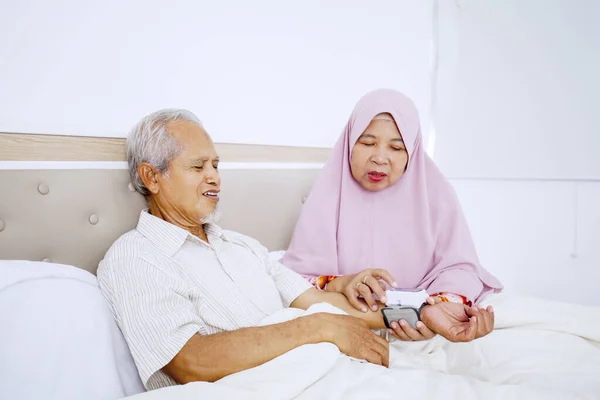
pixel 94 219
pixel 43 189
pixel 2 225
pixel 304 199
pixel 46 259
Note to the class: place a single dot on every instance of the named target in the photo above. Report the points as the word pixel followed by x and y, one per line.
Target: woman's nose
pixel 379 157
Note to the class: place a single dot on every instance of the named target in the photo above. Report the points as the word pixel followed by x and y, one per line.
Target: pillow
pixel 58 337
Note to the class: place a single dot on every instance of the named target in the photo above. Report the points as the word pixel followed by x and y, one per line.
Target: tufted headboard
pixel 72 216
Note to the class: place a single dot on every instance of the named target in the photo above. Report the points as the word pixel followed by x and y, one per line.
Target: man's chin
pixel 213 217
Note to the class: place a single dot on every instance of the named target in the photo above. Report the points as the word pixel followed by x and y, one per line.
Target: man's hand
pixel 458 322
pixel 352 336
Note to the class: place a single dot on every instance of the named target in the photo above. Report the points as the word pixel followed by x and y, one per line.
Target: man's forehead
pixel 195 140
pixel 187 130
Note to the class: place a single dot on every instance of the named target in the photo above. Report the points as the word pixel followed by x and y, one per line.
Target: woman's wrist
pixel 322 281
pixel 338 284
pixel 331 285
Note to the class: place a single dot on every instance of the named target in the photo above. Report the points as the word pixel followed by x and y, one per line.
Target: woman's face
pixel 379 156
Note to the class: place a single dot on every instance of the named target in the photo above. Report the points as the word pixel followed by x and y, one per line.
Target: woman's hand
pixel 365 284
pixel 403 331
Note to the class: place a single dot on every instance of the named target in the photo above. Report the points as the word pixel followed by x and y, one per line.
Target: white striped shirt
pixel 164 285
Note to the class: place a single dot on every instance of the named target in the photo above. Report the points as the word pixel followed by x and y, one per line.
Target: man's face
pixel 190 187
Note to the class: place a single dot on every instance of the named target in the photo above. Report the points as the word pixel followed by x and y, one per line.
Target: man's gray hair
pixel 150 141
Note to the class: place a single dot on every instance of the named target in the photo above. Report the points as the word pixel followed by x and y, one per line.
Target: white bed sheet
pixel 539 350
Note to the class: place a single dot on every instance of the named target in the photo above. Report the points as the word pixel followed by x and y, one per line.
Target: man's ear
pixel 149 176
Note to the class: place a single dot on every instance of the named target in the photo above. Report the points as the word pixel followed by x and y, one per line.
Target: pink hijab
pixel 415 229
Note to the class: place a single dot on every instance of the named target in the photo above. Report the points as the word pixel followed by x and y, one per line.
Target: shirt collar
pixel 168 237
pixel 215 230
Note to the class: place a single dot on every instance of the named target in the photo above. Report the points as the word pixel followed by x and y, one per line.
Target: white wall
pixel 517 89
pixel 262 71
pixel 517 129
pixel 540 238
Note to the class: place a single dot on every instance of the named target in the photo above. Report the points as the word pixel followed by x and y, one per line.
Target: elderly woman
pixel 382 211
pixel 188 295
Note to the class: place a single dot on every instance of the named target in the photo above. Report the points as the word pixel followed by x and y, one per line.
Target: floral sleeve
pixel 448 297
pixel 320 282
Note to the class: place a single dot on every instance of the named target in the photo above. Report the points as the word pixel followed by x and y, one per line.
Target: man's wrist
pixel 312 329
pixel 422 311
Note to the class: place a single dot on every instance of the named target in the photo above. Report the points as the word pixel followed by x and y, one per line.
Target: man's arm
pixel 296 292
pixel 312 296
pixel 211 357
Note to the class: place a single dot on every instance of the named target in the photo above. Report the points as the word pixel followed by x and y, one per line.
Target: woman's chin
pixel 373 186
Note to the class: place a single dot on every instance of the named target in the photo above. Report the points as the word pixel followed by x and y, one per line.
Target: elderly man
pixel 188 295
